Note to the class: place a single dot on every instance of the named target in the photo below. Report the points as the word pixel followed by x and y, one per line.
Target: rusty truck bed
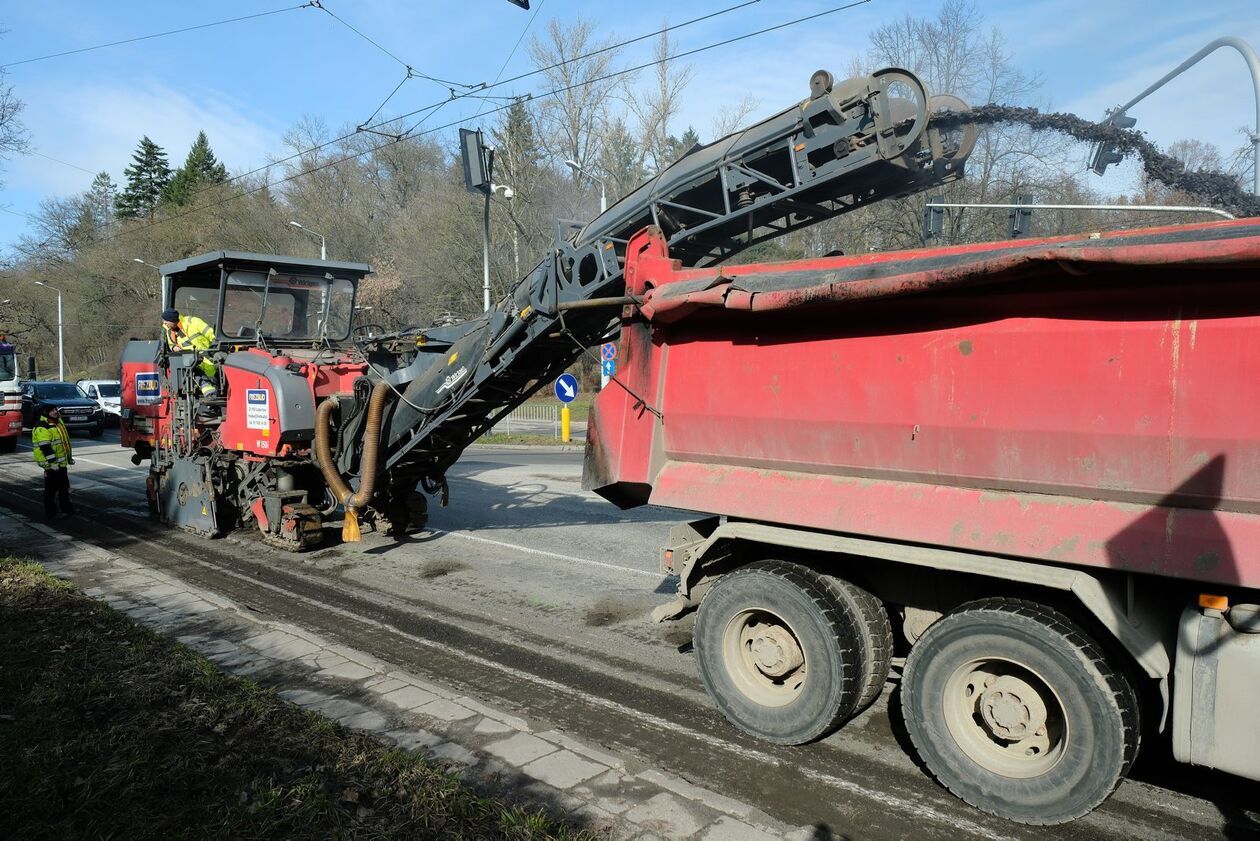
pixel 1085 400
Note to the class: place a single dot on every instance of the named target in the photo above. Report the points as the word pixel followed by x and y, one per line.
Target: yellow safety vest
pixel 194 334
pixel 47 436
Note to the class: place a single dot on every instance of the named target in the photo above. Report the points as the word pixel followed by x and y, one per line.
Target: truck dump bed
pixel 1084 400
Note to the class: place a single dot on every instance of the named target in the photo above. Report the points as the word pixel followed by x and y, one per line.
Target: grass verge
pixel 533 440
pixel 108 730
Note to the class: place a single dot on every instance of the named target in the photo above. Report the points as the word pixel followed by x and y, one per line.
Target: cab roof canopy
pixel 248 261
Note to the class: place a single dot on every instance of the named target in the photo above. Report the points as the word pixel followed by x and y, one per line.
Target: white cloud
pixel 97 127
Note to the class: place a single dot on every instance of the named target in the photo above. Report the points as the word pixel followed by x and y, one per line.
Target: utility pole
pixel 61 348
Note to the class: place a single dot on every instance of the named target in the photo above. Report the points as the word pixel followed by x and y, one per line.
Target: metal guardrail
pixel 529 417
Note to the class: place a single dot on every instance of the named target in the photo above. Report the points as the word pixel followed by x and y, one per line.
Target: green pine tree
pixel 518 154
pixel 200 168
pixel 147 178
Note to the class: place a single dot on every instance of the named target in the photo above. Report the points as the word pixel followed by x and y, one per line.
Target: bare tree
pixel 14 139
pixel 570 121
pixel 655 107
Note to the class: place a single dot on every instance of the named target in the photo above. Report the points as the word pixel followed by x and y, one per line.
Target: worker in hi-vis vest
pixel 190 333
pixel 51 441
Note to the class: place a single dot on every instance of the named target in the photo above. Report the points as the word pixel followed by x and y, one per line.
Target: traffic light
pixel 1105 153
pixel 933 219
pixel 476 161
pixel 1020 218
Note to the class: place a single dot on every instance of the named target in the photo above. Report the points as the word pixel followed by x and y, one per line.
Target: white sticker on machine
pixel 257 408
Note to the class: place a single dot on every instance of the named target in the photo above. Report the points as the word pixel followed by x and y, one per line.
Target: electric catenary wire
pixel 410 134
pixel 157 35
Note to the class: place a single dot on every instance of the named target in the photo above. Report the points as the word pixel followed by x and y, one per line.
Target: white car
pixel 107 394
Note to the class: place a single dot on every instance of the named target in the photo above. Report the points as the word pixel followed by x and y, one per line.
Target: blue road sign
pixel 566 388
pixel 608 367
pixel 608 351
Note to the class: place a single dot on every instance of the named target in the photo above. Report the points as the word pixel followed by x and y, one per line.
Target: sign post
pixel 566 391
pixel 607 363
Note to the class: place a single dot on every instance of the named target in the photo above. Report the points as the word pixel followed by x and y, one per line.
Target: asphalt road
pixel 535 596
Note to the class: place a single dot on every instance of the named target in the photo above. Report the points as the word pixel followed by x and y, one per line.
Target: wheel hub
pixel 1012 709
pixel 774 651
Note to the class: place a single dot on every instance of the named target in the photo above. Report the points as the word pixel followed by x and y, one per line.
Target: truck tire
pixel 875 638
pixel 8 444
pixel 778 651
pixel 1015 710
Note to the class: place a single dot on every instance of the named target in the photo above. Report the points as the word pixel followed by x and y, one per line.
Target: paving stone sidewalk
pixel 614 795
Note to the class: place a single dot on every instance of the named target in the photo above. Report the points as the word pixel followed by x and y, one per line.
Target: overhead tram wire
pixel 436 106
pixel 456 122
pixel 157 35
pixel 411 72
pixel 511 53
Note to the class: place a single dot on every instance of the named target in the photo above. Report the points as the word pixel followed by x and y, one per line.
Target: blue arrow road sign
pixel 566 388
pixel 608 367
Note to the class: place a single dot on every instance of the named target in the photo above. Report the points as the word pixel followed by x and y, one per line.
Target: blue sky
pixel 246 83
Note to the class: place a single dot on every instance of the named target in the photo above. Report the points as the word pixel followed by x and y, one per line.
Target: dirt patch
pixel 610 610
pixel 440 567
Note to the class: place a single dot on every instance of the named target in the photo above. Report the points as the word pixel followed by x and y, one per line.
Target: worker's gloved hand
pixel 71 461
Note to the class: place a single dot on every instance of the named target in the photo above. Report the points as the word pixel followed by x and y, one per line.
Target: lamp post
pixel 323 244
pixel 1120 116
pixel 61 352
pixel 578 169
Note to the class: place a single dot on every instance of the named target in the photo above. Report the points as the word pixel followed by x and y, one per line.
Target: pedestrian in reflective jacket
pixel 53 453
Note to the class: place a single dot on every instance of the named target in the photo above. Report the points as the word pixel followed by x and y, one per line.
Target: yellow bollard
pixel 566 423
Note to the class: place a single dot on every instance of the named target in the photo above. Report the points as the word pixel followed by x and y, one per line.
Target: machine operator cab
pixel 265 300
pixel 270 314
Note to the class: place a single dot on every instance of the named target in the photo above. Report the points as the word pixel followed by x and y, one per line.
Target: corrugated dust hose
pixel 367 464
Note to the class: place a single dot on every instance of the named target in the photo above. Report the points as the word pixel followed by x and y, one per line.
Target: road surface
pixel 534 596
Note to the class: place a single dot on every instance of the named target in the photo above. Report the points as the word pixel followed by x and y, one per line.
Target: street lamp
pixel 1105 155
pixel 323 244
pixel 61 352
pixel 578 169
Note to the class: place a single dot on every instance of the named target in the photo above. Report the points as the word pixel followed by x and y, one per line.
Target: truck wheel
pixel 8 444
pixel 778 651
pixel 875 638
pixel 1017 711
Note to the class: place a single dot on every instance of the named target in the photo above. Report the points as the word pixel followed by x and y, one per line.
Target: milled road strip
pixel 364 692
pixel 1138 811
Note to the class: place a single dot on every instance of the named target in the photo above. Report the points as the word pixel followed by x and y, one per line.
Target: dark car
pixel 77 409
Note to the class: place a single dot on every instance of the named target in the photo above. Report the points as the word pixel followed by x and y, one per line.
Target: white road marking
pixel 479 539
pixel 127 467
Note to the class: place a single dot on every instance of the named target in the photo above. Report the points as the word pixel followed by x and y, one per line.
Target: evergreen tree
pixel 680 146
pixel 200 168
pixel 99 200
pixel 518 154
pixel 147 178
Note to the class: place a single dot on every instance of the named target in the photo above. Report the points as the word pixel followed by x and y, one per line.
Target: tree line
pixel 401 205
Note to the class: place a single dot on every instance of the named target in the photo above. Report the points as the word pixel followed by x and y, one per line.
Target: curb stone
pixel 546 766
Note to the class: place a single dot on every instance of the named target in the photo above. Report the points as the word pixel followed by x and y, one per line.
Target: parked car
pixel 77 409
pixel 107 394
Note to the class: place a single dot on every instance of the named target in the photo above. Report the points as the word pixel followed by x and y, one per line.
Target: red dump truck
pixel 1031 467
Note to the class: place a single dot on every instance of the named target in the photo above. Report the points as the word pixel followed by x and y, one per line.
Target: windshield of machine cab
pixel 58 391
pixel 290 307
